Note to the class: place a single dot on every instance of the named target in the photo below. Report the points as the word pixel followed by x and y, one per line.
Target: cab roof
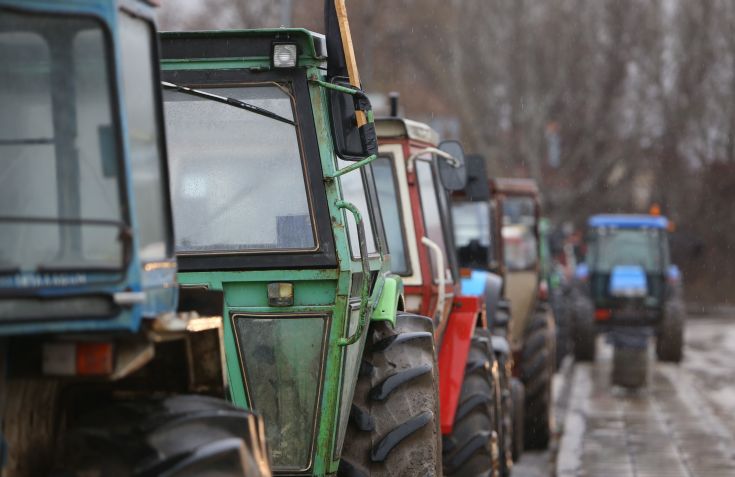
pixel 515 186
pixel 406 128
pixel 628 221
pixel 240 44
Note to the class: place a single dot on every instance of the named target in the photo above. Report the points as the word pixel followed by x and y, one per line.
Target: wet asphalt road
pixel 681 424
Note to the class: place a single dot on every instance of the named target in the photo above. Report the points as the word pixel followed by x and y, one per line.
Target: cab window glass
pixel 390 208
pixel 353 191
pixel 144 137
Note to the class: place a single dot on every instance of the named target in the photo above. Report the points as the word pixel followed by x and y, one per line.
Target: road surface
pixel 681 424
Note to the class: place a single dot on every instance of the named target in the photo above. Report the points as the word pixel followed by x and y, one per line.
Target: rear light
pixel 465 272
pixel 543 290
pixel 78 359
pixel 602 314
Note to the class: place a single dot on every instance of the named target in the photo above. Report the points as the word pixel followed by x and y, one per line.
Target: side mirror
pixel 453 173
pixel 351 143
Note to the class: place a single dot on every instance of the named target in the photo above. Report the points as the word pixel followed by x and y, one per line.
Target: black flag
pixel 336 63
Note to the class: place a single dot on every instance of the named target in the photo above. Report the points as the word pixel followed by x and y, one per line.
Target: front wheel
pixel 506 428
pixel 394 422
pixel 585 336
pixel 471 449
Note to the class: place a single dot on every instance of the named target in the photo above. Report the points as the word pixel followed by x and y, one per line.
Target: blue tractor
pixel 101 372
pixel 629 288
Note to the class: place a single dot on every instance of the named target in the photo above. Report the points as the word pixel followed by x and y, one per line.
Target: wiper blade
pixel 226 100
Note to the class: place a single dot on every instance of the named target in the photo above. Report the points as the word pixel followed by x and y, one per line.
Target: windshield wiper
pixel 226 100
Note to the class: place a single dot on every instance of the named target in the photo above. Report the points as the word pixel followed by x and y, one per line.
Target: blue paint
pixel 157 282
pixel 628 281
pixel 474 285
pixel 582 272
pixel 628 221
pixel 673 273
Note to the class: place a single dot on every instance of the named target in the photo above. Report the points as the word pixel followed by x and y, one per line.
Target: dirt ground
pixel 681 424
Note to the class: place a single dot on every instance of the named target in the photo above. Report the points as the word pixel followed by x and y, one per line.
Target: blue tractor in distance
pixel 100 372
pixel 629 289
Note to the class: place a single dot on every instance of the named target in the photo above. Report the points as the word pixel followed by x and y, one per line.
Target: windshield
pixel 472 233
pixel 237 178
pixel 609 247
pixel 520 248
pixel 59 165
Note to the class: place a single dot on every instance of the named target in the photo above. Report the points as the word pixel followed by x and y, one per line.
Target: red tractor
pixel 413 174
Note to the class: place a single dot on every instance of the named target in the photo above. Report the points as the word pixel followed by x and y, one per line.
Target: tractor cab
pixel 85 230
pixel 477 238
pixel 411 185
pixel 628 267
pixel 519 210
pixel 274 207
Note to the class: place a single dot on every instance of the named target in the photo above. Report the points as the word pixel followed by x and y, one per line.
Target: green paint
pixel 353 167
pixel 285 372
pixel 388 302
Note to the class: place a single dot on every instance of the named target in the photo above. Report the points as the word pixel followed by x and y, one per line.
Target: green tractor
pixel 272 206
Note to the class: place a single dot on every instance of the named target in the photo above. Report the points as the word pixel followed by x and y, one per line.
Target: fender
pixel 390 298
pixel 455 348
pixel 487 285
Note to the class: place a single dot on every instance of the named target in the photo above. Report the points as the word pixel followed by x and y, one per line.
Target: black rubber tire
pixel 630 367
pixel 537 370
pixel 394 424
pixel 563 325
pixel 585 336
pixel 183 435
pixel 470 450
pixel 670 339
pixel 505 427
pixel 519 417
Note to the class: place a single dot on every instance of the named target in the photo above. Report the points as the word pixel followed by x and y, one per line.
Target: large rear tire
pixel 537 370
pixel 670 340
pixel 585 336
pixel 519 417
pixel 563 325
pixel 184 435
pixel 394 423
pixel 470 450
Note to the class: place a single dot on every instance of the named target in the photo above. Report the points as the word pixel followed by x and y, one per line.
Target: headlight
pixel 284 55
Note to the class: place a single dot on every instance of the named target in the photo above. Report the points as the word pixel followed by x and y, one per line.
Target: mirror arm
pixel 365 291
pixel 441 279
pixel 430 150
pixel 350 168
pixel 368 114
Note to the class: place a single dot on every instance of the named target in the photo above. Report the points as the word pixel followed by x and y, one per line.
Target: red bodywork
pixel 455 324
